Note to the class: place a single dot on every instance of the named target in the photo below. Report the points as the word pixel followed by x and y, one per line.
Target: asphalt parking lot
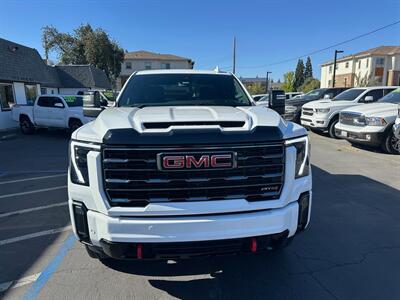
pixel 351 250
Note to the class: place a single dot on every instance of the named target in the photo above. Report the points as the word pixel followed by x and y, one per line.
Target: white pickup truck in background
pixel 51 111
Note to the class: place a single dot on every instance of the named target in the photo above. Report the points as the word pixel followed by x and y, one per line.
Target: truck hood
pixel 164 121
pixel 375 109
pixel 329 104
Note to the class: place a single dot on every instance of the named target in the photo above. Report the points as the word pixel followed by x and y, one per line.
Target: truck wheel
pixel 74 124
pixel 391 144
pixel 331 128
pixel 95 254
pixel 26 125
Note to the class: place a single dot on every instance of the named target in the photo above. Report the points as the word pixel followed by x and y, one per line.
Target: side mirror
pixel 369 99
pixel 92 104
pixel 59 105
pixel 328 97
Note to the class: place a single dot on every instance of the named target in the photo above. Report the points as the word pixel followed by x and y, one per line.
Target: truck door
pixel 57 113
pixel 41 111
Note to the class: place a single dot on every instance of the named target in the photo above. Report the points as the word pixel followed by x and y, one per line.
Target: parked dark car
pixel 293 106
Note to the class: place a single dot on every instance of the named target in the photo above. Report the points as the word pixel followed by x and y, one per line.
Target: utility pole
pixel 334 67
pixel 267 82
pixel 234 55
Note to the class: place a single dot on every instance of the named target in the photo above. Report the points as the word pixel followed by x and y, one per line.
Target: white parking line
pixel 32 192
pixel 22 211
pixel 34 235
pixel 32 178
pixel 19 282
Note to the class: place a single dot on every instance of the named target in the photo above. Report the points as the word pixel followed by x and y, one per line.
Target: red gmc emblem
pixel 196 161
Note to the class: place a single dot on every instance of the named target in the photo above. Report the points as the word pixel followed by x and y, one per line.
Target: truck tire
pixel 95 254
pixel 331 127
pixel 26 125
pixel 390 143
pixel 74 124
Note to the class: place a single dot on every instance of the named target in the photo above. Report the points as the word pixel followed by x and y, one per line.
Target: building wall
pixel 140 64
pixel 360 69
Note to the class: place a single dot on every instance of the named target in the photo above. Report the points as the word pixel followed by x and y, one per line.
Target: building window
pixel 337 66
pixel 330 69
pixel 7 99
pixel 43 91
pixel 128 65
pixel 147 65
pixel 347 64
pixel 367 63
pixel 30 93
pixel 329 82
pixel 380 61
pixel 359 64
pixel 165 66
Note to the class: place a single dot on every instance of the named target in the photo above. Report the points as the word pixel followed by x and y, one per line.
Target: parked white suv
pixel 323 115
pixel 58 111
pixel 186 165
pixel 371 124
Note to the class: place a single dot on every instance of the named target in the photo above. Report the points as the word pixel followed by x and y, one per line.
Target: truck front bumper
pixel 161 237
pixel 316 121
pixel 368 135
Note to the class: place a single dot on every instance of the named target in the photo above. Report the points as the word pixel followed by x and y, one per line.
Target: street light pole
pixel 267 82
pixel 234 55
pixel 334 67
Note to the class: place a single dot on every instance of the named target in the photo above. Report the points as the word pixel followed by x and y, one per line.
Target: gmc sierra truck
pixel 187 165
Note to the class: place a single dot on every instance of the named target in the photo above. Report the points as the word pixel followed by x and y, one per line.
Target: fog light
pixel 320 122
pixel 304 204
pixel 81 224
pixel 368 137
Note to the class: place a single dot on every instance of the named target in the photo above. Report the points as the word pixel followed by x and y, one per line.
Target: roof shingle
pixel 141 54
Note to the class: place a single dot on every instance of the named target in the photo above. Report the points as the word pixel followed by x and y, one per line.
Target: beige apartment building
pixel 146 60
pixel 373 67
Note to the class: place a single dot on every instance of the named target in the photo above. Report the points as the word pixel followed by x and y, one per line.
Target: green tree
pixel 256 88
pixel 309 85
pixel 299 75
pixel 85 46
pixel 308 71
pixel 288 82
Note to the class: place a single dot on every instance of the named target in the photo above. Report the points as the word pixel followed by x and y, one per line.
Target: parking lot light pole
pixel 267 82
pixel 334 67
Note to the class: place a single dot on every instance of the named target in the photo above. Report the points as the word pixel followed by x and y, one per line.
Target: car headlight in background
pixel 78 162
pixel 322 110
pixel 290 109
pixel 302 146
pixel 375 121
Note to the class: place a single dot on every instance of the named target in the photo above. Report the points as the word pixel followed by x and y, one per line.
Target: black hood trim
pixel 129 136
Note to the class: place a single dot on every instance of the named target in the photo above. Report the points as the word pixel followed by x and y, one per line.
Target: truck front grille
pixel 307 111
pixel 353 119
pixel 132 178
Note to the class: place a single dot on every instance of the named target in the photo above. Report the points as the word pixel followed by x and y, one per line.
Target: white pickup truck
pixel 59 111
pixel 186 165
pixel 371 124
pixel 323 115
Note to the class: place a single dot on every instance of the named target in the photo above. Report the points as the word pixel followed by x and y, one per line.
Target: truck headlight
pixel 322 110
pixel 375 121
pixel 78 162
pixel 302 146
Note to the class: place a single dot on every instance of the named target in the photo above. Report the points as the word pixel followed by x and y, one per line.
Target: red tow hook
pixel 139 253
pixel 253 246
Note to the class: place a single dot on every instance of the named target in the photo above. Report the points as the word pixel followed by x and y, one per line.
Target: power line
pixel 321 50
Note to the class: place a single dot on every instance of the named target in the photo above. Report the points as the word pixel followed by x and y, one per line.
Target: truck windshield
pixel 73 101
pixel 183 89
pixel 348 95
pixel 393 97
